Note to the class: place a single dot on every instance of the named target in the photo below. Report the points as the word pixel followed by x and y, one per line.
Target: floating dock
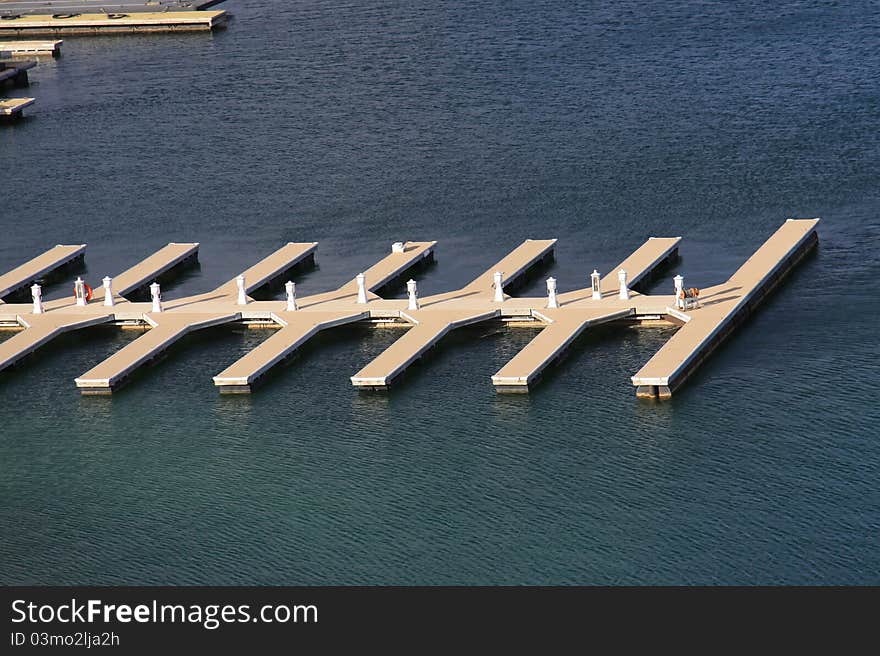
pixel 11 108
pixel 30 48
pixel 722 308
pixel 57 257
pixel 112 23
pixel 560 317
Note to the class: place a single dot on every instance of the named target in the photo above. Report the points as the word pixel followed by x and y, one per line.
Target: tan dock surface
pixel 147 270
pixel 41 331
pixel 30 48
pixel 110 373
pixel 32 270
pixel 720 305
pixel 270 267
pixel 527 365
pixel 513 265
pixel 239 376
pixel 704 325
pixel 97 23
pixel 415 343
pixel 654 253
pixel 391 266
pixel 13 106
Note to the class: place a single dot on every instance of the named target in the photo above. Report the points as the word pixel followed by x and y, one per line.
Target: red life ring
pixel 88 291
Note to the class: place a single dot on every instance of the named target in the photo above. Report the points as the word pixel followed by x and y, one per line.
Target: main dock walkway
pixel 561 317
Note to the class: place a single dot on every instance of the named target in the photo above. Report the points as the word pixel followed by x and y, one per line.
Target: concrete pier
pixel 704 317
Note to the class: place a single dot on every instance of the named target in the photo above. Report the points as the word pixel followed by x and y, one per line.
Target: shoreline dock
pixel 703 322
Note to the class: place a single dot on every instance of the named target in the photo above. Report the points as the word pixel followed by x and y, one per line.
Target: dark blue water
pixel 477 124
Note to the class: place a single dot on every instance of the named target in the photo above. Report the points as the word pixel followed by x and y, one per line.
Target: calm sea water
pixel 480 125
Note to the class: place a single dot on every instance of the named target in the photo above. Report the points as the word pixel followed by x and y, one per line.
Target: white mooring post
pixel 594 283
pixel 79 290
pixel 156 295
pixel 498 276
pixel 552 301
pixel 362 288
pixel 679 287
pixel 108 291
pixel 412 290
pixel 242 297
pixel 37 295
pixel 624 290
pixel 397 247
pixel 290 288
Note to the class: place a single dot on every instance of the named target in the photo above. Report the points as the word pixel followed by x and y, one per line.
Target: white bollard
pixel 242 296
pixel 362 288
pixel 156 294
pixel 108 291
pixel 552 301
pixel 594 283
pixel 397 247
pixel 498 276
pixel 678 281
pixel 290 288
pixel 37 295
pixel 413 292
pixel 79 290
pixel 624 290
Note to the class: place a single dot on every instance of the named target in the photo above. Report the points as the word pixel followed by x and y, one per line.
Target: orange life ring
pixel 88 291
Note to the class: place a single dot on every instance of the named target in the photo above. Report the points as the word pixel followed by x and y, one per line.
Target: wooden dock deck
pixel 168 257
pixel 723 307
pixel 561 318
pixel 526 366
pixel 30 48
pixel 113 372
pixel 323 311
pixel 44 264
pixel 11 108
pixel 111 23
pixel 271 267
